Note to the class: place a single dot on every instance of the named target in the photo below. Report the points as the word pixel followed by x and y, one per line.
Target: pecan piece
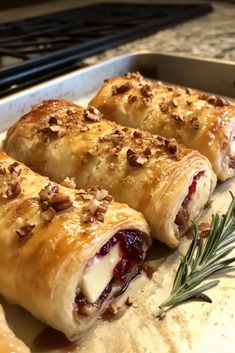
pixel 24 229
pixel 146 91
pixel 14 169
pixel 48 214
pixel 188 91
pixel 92 114
pixel 84 128
pixel 195 123
pixel 131 98
pixel 14 189
pixel 2 169
pixel 173 148
pixel 134 159
pixel 83 195
pixel 175 102
pixel 136 75
pixel 137 134
pixel 125 87
pixel 163 107
pixel 204 229
pixel 101 194
pixel 60 201
pixel 69 183
pixel 203 96
pixel 221 102
pixel 52 120
pixel 178 117
pixel 147 151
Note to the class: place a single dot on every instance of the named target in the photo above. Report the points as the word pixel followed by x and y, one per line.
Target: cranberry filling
pixel 183 216
pixel 193 187
pixel 131 245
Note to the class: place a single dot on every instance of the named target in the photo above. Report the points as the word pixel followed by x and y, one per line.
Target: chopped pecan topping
pixel 86 217
pixel 188 91
pixel 2 169
pixel 204 230
pixel 146 91
pixel 159 141
pixel 170 89
pixel 69 183
pixel 203 96
pixel 84 128
pixel 50 196
pixel 54 130
pixel 24 229
pixel 125 87
pixel 131 75
pixel 52 120
pixel 50 189
pixel 195 123
pixel 131 98
pixel 93 206
pixel 96 209
pixel 178 117
pixel 118 134
pixel 14 169
pixel 137 134
pixel 134 159
pixel 221 102
pixel 83 195
pixel 14 189
pixel 173 148
pixel 164 107
pixel 92 114
pixel 101 194
pixel 149 270
pixel 218 101
pixel 175 102
pixel 147 151
pixel 60 201
pixel 48 214
pixel 211 99
pixel 71 111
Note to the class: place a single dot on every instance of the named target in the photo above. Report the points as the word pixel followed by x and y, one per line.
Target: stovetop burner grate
pixel 38 48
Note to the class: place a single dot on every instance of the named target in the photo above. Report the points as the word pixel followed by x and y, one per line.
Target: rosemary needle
pixel 205 258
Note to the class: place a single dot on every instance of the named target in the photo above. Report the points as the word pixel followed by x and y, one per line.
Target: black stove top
pixel 38 48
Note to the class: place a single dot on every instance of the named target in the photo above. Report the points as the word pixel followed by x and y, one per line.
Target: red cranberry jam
pixel 131 245
pixel 193 187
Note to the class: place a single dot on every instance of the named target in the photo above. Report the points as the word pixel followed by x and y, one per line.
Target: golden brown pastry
pixel 65 254
pixel 199 121
pixel 166 182
pixel 9 343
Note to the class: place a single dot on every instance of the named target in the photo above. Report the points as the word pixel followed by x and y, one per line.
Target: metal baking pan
pixel 203 74
pixel 193 327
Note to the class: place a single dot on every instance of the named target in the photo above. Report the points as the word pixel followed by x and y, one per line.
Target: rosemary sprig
pixel 205 258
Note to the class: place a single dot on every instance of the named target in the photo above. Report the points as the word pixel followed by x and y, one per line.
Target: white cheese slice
pixel 199 198
pixel 97 276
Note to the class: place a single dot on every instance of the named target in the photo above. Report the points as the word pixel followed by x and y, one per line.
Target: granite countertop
pixel 209 36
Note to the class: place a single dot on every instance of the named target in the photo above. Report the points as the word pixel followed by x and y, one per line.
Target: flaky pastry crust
pixel 48 233
pixel 199 121
pixel 150 173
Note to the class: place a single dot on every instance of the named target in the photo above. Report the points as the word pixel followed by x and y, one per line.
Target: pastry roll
pixel 166 182
pixel 199 121
pixel 65 254
pixel 9 343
